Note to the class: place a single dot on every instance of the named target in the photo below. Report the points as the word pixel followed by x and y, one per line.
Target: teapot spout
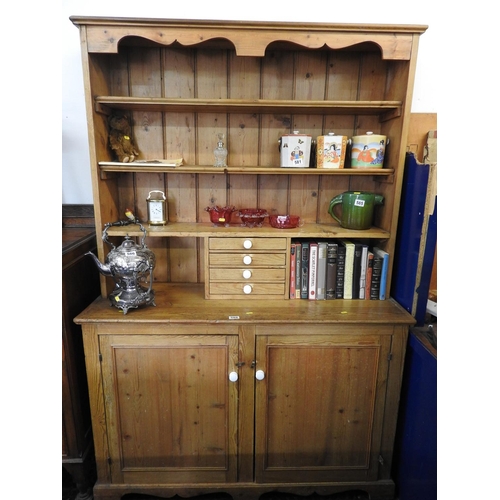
pixel 103 268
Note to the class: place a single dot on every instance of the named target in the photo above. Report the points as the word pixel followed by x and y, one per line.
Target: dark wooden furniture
pixel 80 285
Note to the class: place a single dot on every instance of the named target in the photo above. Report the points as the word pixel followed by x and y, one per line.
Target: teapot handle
pixel 122 223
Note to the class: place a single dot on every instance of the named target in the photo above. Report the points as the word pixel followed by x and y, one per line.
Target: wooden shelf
pixel 104 104
pixel 109 166
pixel 206 229
pixel 184 303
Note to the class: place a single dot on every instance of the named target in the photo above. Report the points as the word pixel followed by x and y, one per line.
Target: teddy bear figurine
pixel 120 139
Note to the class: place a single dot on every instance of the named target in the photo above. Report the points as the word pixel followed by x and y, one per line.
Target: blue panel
pixel 411 218
pixel 415 457
pixel 427 265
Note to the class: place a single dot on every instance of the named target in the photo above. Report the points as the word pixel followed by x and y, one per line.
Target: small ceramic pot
pixel 295 150
pixel 368 151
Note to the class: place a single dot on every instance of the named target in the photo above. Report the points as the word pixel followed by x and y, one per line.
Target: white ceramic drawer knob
pixel 259 374
pixel 247 259
pixel 233 376
pixel 247 289
pixel 247 244
pixel 247 273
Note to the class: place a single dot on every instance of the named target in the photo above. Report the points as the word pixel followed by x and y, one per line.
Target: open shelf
pixel 109 166
pixel 105 103
pixel 206 229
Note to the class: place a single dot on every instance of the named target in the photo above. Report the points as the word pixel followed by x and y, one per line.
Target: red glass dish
pixel 220 216
pixel 252 217
pixel 285 221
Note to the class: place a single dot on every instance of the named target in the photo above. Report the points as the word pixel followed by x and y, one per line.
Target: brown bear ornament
pixel 120 139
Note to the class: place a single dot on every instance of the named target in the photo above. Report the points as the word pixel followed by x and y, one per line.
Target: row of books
pixel 337 269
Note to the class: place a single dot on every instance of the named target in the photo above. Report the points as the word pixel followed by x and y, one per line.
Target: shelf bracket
pixel 389 179
pixel 390 115
pixel 102 109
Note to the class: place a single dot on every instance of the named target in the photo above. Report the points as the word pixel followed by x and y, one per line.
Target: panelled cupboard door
pixel 170 407
pixel 319 408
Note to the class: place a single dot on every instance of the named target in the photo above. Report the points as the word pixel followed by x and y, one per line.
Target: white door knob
pixel 247 244
pixel 259 374
pixel 247 259
pixel 247 289
pixel 247 273
pixel 233 376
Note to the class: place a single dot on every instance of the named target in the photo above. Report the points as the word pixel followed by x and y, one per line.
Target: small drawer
pixel 247 290
pixel 244 275
pixel 250 243
pixel 247 259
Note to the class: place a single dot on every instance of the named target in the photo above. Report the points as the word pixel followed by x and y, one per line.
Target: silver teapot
pixel 129 265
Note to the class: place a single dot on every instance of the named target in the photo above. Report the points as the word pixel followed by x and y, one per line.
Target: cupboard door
pixel 319 407
pixel 170 407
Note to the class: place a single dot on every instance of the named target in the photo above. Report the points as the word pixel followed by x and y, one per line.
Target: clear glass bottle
pixel 220 152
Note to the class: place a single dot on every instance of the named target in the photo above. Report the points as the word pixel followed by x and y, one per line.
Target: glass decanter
pixel 220 152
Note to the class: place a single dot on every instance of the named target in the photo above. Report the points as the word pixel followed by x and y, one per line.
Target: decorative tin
pixel 330 151
pixel 295 150
pixel 368 151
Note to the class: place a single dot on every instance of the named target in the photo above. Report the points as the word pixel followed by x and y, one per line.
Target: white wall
pixel 76 185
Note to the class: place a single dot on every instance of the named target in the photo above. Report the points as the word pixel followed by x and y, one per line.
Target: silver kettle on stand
pixel 130 265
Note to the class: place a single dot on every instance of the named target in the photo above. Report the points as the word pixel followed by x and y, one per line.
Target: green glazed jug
pixel 357 208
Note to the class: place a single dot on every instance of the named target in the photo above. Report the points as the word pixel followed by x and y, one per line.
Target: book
pixel 349 267
pixel 298 269
pixel 356 270
pixel 376 273
pixel 304 280
pixel 362 278
pixel 369 270
pixel 339 284
pixel 321 278
pixel 292 270
pixel 331 270
pixel 385 268
pixel 313 270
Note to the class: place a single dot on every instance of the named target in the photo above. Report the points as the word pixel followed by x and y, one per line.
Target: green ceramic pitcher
pixel 357 208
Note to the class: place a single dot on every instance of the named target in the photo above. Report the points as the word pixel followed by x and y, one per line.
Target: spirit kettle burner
pixel 129 265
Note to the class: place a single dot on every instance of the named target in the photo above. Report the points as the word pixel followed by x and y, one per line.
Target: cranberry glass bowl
pixel 252 217
pixel 284 221
pixel 220 216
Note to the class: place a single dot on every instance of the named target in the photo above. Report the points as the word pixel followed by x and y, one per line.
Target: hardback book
pixel 356 270
pixel 369 270
pixel 321 278
pixel 362 278
pixel 313 270
pixel 339 284
pixel 304 280
pixel 298 269
pixel 331 270
pixel 292 270
pixel 385 268
pixel 349 267
pixel 376 275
